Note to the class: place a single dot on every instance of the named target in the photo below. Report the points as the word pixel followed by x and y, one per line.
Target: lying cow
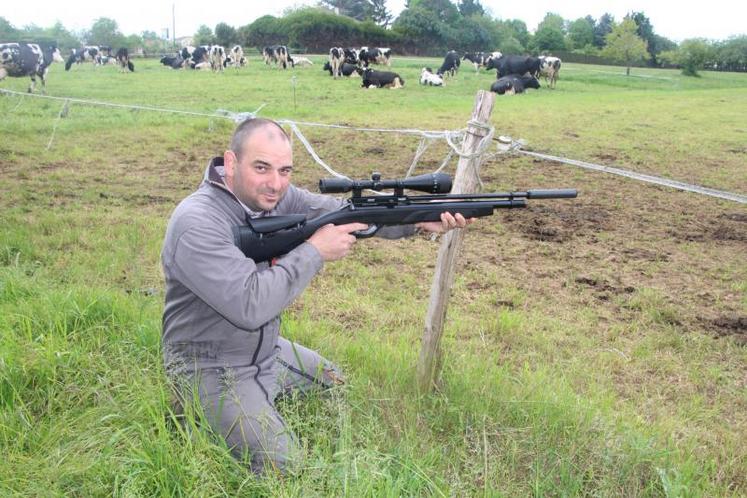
pixel 549 68
pixel 28 59
pixel 450 65
pixel 346 69
pixel 380 79
pixel 231 62
pixel 513 84
pixel 173 61
pixel 123 57
pixel 428 78
pixel 302 61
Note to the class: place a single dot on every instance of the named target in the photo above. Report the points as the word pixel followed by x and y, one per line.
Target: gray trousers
pixel 239 402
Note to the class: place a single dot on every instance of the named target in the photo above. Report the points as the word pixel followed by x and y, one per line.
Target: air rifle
pixel 266 238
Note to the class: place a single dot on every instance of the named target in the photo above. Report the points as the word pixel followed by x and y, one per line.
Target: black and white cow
pixel 194 55
pixel 28 59
pixel 230 62
pixel 336 59
pixel 91 53
pixel 277 54
pixel 123 57
pixel 480 59
pixel 237 56
pixel 450 65
pixel 351 55
pixel 428 78
pixel 375 55
pixel 380 79
pixel 174 62
pixel 514 64
pixel 217 56
pixel 345 70
pixel 514 83
pixel 549 68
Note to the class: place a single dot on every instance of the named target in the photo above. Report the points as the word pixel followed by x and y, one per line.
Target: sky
pixel 716 19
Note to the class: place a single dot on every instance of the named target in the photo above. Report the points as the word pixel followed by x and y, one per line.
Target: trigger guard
pixel 368 232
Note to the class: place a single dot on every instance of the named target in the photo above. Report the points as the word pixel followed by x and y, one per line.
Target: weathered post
pixel 466 181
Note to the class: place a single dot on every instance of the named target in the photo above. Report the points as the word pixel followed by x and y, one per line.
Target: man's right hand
pixel 335 241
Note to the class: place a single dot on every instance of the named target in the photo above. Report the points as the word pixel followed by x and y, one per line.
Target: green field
pixel 593 347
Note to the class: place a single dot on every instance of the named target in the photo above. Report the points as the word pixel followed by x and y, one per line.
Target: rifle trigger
pixel 368 232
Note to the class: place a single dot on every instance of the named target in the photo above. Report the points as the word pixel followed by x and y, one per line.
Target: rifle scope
pixel 433 183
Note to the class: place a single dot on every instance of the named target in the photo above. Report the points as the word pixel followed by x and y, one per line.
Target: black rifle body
pixel 273 236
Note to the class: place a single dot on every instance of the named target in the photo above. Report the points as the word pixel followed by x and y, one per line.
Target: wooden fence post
pixel 466 181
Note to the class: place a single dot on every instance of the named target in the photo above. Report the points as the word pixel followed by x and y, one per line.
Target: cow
pixel 514 64
pixel 336 59
pixel 91 53
pixel 217 55
pixel 480 59
pixel 237 55
pixel 230 62
pixel 514 83
pixel 379 79
pixel 123 57
pixel 450 65
pixel 345 70
pixel 351 55
pixel 195 55
pixel 106 60
pixel 375 55
pixel 277 54
pixel 428 78
pixel 28 59
pixel 174 62
pixel 549 68
pixel 200 66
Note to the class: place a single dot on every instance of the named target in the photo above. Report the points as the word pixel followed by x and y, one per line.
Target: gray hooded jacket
pixel 222 309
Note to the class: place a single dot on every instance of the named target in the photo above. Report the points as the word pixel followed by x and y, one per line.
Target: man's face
pixel 261 175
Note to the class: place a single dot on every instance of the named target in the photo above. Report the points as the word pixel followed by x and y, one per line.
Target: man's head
pixel 258 164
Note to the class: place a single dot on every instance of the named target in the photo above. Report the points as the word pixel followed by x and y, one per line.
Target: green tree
pixel 105 31
pixel 731 54
pixel 8 32
pixel 204 36
pixel 424 31
pixel 470 8
pixel 624 45
pixel 518 30
pixel 646 32
pixel 266 30
pixel 553 21
pixel 380 14
pixel 602 28
pixel 225 35
pixel 581 32
pixel 548 38
pixel 692 55
pixel 446 11
pixel 360 10
pixel 64 38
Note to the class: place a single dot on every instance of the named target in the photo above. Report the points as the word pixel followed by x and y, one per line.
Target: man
pixel 221 318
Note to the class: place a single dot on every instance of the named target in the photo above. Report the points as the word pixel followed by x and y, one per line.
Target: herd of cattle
pixel 514 73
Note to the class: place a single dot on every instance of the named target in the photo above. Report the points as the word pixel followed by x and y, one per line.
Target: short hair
pixel 247 128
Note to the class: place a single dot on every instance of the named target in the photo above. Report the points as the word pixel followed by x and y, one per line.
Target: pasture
pixel 593 346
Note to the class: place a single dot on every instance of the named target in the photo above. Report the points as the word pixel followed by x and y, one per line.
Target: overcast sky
pixel 715 19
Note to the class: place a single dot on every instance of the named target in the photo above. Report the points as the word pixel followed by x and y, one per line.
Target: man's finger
pixel 352 227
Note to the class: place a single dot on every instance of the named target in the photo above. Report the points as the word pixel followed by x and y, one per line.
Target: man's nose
pixel 275 181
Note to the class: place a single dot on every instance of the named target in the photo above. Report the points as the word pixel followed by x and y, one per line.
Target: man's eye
pixel 261 169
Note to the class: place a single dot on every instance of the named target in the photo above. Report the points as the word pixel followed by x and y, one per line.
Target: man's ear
pixel 230 163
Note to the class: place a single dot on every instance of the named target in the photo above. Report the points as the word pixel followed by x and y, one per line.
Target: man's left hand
pixel 448 222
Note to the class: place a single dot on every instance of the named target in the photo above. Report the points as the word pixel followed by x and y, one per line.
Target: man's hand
pixel 335 241
pixel 448 222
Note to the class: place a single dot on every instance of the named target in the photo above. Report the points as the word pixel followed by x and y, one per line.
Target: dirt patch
pixel 729 326
pixel 559 223
pixel 724 227
pixel 603 289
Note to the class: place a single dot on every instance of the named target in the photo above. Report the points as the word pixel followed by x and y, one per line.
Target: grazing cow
pixel 302 61
pixel 375 55
pixel 450 65
pixel 90 53
pixel 480 59
pixel 237 55
pixel 514 83
pixel 277 54
pixel 351 55
pixel 380 79
pixel 346 69
pixel 230 62
pixel 336 58
pixel 428 78
pixel 549 68
pixel 514 64
pixel 28 59
pixel 123 57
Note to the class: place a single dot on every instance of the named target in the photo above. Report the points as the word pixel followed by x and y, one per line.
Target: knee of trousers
pixel 263 441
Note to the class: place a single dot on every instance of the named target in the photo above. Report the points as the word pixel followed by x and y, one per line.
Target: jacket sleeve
pixel 208 263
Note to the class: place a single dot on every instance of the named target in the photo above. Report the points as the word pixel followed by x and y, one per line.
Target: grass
pixel 593 347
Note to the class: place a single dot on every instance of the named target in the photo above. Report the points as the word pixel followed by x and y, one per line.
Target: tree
pixel 518 30
pixel 646 32
pixel 446 11
pixel 470 8
pixel 424 31
pixel 548 39
pixel 602 28
pixel 554 21
pixel 360 10
pixel 64 38
pixel 204 36
pixel 731 55
pixel 624 44
pixel 7 30
pixel 105 31
pixel 266 30
pixel 692 55
pixel 380 14
pixel 225 35
pixel 581 32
